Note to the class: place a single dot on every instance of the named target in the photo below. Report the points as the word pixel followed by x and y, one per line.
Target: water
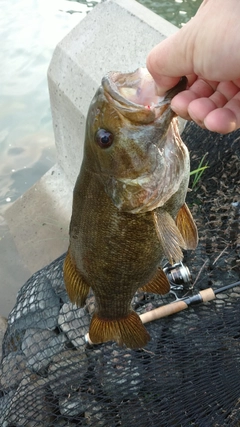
pixel 29 31
pixel 178 12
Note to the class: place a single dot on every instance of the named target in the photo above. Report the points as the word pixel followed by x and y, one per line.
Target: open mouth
pixel 140 89
pixel 136 95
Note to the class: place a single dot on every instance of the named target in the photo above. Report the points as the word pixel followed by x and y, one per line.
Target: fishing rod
pixel 180 304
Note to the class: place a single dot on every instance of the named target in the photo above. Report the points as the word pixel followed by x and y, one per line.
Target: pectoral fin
pixel 159 284
pixel 128 330
pixel 76 287
pixel 187 227
pixel 169 236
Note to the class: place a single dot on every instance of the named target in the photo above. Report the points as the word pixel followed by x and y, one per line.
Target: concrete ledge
pixel 3 328
pixel 39 220
pixel 115 35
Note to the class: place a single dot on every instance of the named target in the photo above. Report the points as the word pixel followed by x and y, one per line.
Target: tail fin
pixel 128 330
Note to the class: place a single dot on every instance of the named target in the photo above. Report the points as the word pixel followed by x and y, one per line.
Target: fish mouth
pixel 138 91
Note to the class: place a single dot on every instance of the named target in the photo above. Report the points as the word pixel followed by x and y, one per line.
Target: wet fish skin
pixel 125 203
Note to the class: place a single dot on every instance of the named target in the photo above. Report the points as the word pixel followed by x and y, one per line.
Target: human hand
pixel 207 51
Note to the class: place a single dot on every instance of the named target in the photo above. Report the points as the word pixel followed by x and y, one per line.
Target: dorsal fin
pixel 169 236
pixel 187 227
pixel 159 283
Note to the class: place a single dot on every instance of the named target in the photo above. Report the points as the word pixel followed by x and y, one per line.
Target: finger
pixel 225 119
pixel 229 89
pixel 166 83
pixel 215 113
pixel 167 61
pixel 218 99
pixel 221 120
pixel 169 82
pixel 203 88
pixel 180 103
pixel 191 79
pixel 199 108
pixel 199 89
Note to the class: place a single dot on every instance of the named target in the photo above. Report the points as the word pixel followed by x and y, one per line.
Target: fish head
pixel 133 143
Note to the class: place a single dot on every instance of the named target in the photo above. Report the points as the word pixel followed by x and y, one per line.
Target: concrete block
pixel 115 35
pixel 13 271
pixel 39 220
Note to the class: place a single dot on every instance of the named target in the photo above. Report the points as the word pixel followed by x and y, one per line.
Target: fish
pixel 129 213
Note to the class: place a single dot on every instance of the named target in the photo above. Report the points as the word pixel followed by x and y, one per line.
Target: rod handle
pixel 175 307
pixel 165 310
pixel 207 295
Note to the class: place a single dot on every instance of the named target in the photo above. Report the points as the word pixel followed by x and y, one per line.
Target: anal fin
pixel 187 227
pixel 169 236
pixel 159 283
pixel 76 287
pixel 128 330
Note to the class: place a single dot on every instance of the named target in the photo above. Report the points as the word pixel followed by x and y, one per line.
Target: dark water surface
pixel 27 147
pixel 178 12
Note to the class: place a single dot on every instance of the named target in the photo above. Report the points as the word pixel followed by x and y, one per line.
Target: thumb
pixel 170 60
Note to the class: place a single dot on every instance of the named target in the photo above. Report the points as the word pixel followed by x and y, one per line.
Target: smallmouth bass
pixel 129 211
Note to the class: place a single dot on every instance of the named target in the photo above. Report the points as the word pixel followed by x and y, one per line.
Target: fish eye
pixel 104 138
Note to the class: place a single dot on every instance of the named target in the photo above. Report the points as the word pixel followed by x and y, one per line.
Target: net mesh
pixel 187 375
